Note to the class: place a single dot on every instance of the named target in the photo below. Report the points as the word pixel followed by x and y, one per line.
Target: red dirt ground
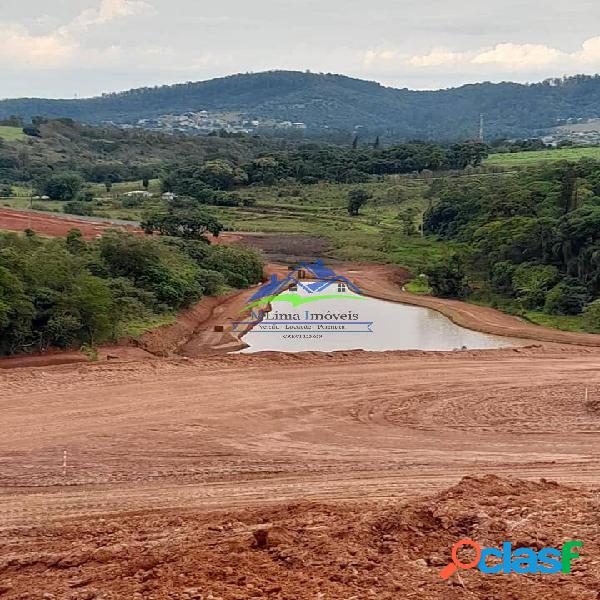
pixel 155 446
pixel 355 463
pixel 51 225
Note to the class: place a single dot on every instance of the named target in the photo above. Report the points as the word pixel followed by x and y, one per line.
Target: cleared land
pixel 523 159
pixel 154 445
pixel 52 225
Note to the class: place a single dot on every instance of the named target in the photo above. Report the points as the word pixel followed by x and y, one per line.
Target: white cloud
pixel 436 58
pixel 590 51
pixel 505 57
pixel 519 56
pixel 107 11
pixel 63 45
pixel 381 56
pixel 20 48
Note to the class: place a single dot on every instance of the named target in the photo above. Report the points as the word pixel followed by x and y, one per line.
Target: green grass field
pixel 11 134
pixel 525 159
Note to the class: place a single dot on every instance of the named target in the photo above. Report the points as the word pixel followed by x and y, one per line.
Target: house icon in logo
pixel 313 278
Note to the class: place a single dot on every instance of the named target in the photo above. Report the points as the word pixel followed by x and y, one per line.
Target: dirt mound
pixel 311 550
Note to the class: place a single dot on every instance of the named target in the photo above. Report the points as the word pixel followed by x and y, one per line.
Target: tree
pixel 189 224
pixel 408 218
pixel 469 153
pixel 221 175
pixel 566 298
pixel 532 282
pixel 357 198
pixel 447 277
pixel 63 186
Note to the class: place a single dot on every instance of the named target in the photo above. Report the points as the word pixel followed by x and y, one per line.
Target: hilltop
pixel 329 102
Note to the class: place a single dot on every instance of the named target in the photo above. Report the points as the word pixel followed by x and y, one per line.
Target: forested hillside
pixel 326 102
pixel 125 154
pixel 531 239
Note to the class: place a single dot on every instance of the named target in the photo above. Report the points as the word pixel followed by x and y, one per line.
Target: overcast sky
pixel 61 48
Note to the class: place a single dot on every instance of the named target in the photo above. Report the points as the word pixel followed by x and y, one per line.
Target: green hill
pixel 326 102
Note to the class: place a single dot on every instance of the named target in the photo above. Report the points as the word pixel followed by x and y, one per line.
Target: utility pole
pixel 481 133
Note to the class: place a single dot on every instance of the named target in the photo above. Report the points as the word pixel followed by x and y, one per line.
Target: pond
pixel 336 318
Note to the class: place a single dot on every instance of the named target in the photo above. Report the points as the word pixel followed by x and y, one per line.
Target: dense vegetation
pixel 110 155
pixel 327 103
pixel 66 292
pixel 532 237
pixel 311 163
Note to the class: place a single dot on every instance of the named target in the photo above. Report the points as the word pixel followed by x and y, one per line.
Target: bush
pixel 532 282
pixel 211 282
pixel 79 208
pixel 566 298
pixel 63 186
pixel 591 317
pixel 447 278
pixel 502 276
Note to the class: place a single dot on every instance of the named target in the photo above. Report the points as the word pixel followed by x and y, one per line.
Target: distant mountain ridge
pixel 328 102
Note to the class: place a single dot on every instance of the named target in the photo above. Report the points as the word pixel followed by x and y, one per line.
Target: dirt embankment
pixel 308 550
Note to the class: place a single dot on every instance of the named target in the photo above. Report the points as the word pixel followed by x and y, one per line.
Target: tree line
pixel 532 237
pixel 66 292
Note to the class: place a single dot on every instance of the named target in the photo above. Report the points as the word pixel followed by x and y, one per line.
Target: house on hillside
pixel 138 194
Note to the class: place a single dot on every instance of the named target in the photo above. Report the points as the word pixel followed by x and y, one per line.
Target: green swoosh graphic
pixel 298 300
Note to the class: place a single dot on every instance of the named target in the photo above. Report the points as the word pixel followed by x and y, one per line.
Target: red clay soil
pixel 155 447
pixel 311 550
pixel 353 462
pixel 51 225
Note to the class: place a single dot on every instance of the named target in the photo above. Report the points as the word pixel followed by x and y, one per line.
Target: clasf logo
pixel 521 560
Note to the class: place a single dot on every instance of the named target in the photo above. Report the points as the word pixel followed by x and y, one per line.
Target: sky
pixel 68 48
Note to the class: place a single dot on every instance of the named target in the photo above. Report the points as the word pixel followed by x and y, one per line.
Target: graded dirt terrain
pixel 153 445
pixel 353 462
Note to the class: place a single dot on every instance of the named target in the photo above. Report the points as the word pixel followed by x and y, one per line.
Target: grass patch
pixel 565 323
pixel 21 202
pixel 11 134
pixel 524 159
pixel 419 285
pixel 137 327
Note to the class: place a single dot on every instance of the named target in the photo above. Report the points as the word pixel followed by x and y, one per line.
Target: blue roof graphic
pixel 317 269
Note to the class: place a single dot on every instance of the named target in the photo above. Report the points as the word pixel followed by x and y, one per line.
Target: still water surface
pixel 360 322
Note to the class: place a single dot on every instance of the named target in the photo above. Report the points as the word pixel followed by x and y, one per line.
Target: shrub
pixel 532 282
pixel 591 317
pixel 566 298
pixel 447 278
